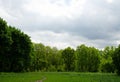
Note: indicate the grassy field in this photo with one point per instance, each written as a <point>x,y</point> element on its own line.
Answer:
<point>59,77</point>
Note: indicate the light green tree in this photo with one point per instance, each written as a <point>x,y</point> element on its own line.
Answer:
<point>106,59</point>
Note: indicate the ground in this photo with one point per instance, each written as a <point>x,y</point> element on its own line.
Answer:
<point>58,77</point>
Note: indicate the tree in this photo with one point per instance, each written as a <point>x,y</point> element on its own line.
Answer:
<point>46,58</point>
<point>39,59</point>
<point>106,59</point>
<point>68,55</point>
<point>94,59</point>
<point>48,53</point>
<point>55,60</point>
<point>87,59</point>
<point>116,59</point>
<point>82,58</point>
<point>15,49</point>
<point>5,43</point>
<point>20,51</point>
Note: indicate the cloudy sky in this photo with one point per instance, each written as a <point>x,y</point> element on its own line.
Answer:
<point>63,23</point>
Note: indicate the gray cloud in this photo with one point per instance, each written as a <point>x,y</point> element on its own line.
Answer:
<point>98,25</point>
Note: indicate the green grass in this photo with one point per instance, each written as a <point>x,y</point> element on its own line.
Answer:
<point>59,77</point>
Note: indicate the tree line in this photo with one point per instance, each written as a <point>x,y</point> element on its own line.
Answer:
<point>19,54</point>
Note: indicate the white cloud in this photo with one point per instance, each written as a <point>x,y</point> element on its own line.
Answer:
<point>4,14</point>
<point>109,1</point>
<point>118,42</point>
<point>56,8</point>
<point>59,40</point>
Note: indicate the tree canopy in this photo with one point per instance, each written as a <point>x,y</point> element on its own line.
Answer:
<point>15,49</point>
<point>88,59</point>
<point>68,55</point>
<point>116,59</point>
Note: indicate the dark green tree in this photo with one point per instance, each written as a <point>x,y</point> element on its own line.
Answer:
<point>68,55</point>
<point>15,49</point>
<point>116,59</point>
<point>5,43</point>
<point>20,51</point>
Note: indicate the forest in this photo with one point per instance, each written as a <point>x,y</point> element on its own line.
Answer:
<point>19,54</point>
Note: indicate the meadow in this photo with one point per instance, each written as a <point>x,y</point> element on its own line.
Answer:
<point>59,77</point>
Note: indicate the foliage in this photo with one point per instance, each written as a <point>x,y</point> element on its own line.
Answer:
<point>39,58</point>
<point>5,43</point>
<point>15,49</point>
<point>20,50</point>
<point>88,59</point>
<point>106,59</point>
<point>69,58</point>
<point>46,58</point>
<point>116,59</point>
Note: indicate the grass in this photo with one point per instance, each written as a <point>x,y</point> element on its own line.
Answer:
<point>59,77</point>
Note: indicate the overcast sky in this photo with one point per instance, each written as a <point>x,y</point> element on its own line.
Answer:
<point>63,23</point>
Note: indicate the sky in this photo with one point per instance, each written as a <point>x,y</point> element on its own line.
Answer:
<point>63,23</point>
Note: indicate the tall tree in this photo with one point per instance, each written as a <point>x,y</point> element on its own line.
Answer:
<point>55,60</point>
<point>21,50</point>
<point>116,59</point>
<point>39,62</point>
<point>87,59</point>
<point>5,43</point>
<point>94,59</point>
<point>15,49</point>
<point>82,58</point>
<point>106,59</point>
<point>68,55</point>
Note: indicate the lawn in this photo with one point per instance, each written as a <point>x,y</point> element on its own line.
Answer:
<point>59,77</point>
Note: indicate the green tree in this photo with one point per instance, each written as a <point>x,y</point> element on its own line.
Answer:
<point>81,52</point>
<point>20,50</point>
<point>39,59</point>
<point>55,60</point>
<point>5,43</point>
<point>48,52</point>
<point>106,59</point>
<point>87,59</point>
<point>15,49</point>
<point>68,55</point>
<point>116,59</point>
<point>94,59</point>
<point>46,58</point>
